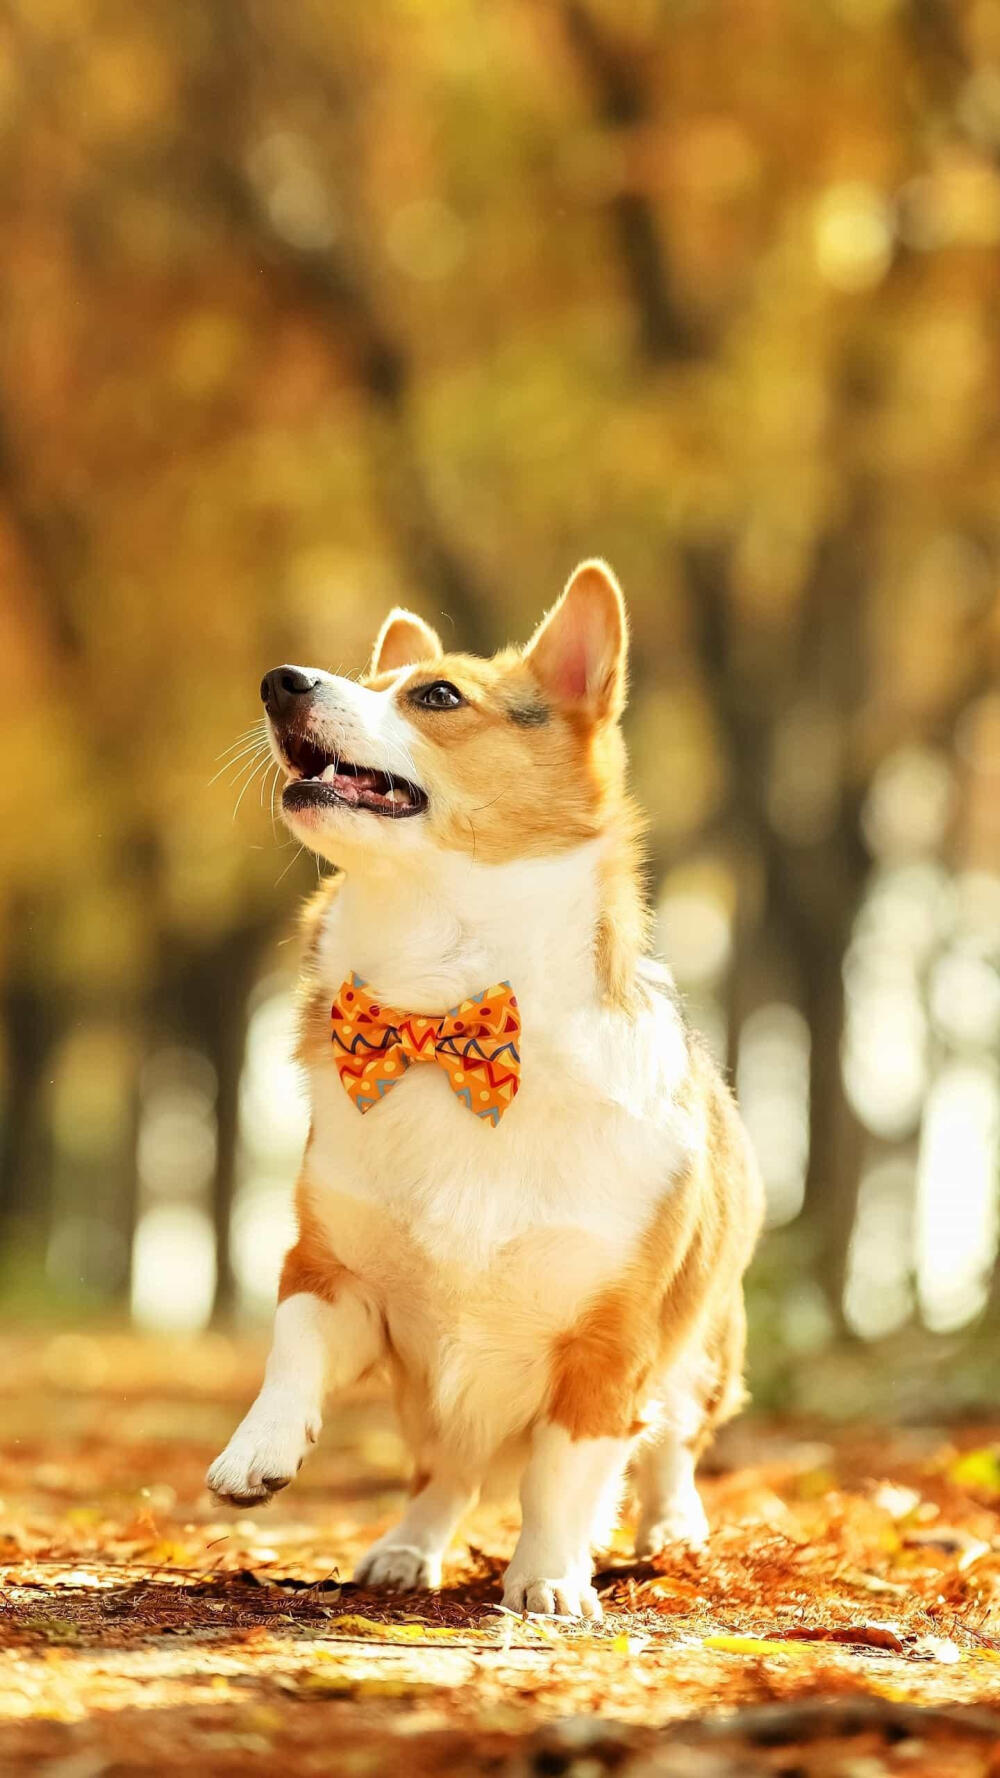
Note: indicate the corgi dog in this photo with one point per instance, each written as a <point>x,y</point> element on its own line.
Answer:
<point>526,1190</point>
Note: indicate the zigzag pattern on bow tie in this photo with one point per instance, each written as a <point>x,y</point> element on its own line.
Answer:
<point>476,1043</point>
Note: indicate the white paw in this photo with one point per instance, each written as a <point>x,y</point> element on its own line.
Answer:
<point>263,1456</point>
<point>564,1596</point>
<point>398,1568</point>
<point>678,1521</point>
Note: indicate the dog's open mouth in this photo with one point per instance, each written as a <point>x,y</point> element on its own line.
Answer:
<point>320,777</point>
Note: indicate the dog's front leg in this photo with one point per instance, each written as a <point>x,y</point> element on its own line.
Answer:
<point>320,1342</point>
<point>567,1490</point>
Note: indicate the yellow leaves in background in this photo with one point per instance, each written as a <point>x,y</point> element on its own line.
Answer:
<point>209,347</point>
<point>193,377</point>
<point>978,1470</point>
<point>127,83</point>
<point>680,773</point>
<point>853,236</point>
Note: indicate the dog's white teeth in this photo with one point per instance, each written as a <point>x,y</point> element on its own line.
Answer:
<point>328,773</point>
<point>395,795</point>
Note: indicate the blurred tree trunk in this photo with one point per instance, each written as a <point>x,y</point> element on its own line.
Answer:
<point>809,901</point>
<point>811,892</point>
<point>335,284</point>
<point>207,989</point>
<point>227,979</point>
<point>614,74</point>
<point>833,1174</point>
<point>122,1189</point>
<point>30,1014</point>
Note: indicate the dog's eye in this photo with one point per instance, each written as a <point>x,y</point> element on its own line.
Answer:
<point>442,695</point>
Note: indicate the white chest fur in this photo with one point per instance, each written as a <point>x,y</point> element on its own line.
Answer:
<point>515,1227</point>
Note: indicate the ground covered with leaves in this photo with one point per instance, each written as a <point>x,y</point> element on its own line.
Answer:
<point>845,1618</point>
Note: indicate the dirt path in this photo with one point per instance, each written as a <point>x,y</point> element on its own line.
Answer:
<point>848,1581</point>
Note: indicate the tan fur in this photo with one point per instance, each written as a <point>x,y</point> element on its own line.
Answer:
<point>725,1348</point>
<point>560,778</point>
<point>502,789</point>
<point>623,920</point>
<point>541,1302</point>
<point>579,649</point>
<point>685,1284</point>
<point>403,639</point>
<point>311,1265</point>
<point>526,771</point>
<point>311,922</point>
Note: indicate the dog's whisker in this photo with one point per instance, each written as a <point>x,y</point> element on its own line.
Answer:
<point>229,765</point>
<point>245,735</point>
<point>263,783</point>
<point>248,766</point>
<point>408,757</point>
<point>252,766</point>
<point>255,731</point>
<point>274,786</point>
<point>252,745</point>
<point>253,738</point>
<point>288,866</point>
<point>246,787</point>
<point>411,762</point>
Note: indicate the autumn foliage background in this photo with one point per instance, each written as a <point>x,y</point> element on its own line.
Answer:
<point>313,309</point>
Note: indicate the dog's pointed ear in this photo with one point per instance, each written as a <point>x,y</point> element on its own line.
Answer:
<point>403,639</point>
<point>579,651</point>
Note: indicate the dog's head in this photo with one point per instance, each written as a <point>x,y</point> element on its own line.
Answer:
<point>516,756</point>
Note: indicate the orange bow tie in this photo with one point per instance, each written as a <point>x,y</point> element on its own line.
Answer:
<point>475,1043</point>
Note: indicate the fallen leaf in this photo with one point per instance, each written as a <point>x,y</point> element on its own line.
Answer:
<point>341,1685</point>
<point>628,1645</point>
<point>978,1469</point>
<point>857,1635</point>
<point>374,1630</point>
<point>753,1645</point>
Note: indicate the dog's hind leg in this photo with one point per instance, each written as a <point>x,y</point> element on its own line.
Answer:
<point>670,1509</point>
<point>701,1391</point>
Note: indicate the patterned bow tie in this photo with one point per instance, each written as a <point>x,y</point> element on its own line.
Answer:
<point>475,1043</point>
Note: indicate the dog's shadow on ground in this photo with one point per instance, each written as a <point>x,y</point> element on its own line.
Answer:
<point>225,1602</point>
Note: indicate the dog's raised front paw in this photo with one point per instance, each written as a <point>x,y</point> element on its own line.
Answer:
<point>565,1596</point>
<point>262,1457</point>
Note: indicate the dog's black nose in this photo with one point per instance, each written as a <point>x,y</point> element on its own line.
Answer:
<point>281,688</point>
